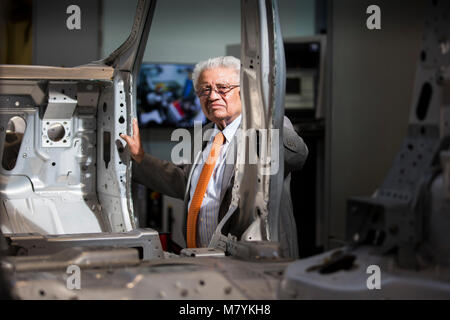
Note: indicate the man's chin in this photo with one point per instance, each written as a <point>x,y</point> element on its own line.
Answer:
<point>218,116</point>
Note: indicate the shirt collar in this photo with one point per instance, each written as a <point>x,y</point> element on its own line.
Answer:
<point>230,130</point>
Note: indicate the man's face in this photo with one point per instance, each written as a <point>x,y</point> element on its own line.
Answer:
<point>221,109</point>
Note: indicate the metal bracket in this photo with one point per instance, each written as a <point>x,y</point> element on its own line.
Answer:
<point>57,124</point>
<point>249,250</point>
<point>202,252</point>
<point>145,240</point>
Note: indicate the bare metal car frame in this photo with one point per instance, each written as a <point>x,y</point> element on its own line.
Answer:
<point>73,169</point>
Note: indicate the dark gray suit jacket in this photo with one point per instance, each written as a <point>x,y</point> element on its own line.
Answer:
<point>174,180</point>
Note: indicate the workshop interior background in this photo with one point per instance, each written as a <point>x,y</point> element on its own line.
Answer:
<point>367,80</point>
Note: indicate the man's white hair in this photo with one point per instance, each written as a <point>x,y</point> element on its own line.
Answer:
<point>217,62</point>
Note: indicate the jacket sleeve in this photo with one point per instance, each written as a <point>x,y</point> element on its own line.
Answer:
<point>295,149</point>
<point>161,176</point>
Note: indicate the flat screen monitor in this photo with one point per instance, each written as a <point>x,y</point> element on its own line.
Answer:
<point>166,96</point>
<point>305,60</point>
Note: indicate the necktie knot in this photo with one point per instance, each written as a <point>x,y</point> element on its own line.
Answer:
<point>219,138</point>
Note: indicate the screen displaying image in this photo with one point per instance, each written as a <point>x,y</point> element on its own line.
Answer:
<point>166,96</point>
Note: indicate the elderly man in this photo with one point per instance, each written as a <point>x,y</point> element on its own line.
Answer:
<point>206,185</point>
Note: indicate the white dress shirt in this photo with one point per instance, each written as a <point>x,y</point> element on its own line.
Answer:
<point>209,210</point>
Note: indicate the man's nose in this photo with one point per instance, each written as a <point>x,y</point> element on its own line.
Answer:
<point>214,95</point>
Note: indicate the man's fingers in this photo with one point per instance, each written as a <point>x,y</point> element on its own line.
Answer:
<point>134,141</point>
<point>135,129</point>
<point>127,139</point>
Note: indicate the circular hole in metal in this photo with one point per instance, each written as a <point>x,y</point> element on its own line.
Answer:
<point>56,132</point>
<point>15,130</point>
<point>16,125</point>
<point>121,119</point>
<point>424,101</point>
<point>53,163</point>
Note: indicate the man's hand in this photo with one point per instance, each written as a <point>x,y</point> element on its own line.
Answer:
<point>134,143</point>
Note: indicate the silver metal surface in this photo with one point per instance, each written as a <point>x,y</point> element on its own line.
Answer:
<point>70,201</point>
<point>59,183</point>
<point>86,257</point>
<point>202,252</point>
<point>262,89</point>
<point>145,240</point>
<point>403,228</point>
<point>302,280</point>
<point>180,278</point>
<point>81,195</point>
<point>398,215</point>
<point>23,88</point>
<point>72,174</point>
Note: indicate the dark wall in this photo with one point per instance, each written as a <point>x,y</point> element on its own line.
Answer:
<point>55,44</point>
<point>371,90</point>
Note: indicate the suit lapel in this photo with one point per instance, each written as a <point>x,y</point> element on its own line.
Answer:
<point>228,172</point>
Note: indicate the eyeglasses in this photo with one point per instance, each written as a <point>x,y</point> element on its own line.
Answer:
<point>221,89</point>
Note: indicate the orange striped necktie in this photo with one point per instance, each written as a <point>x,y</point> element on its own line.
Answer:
<point>200,189</point>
